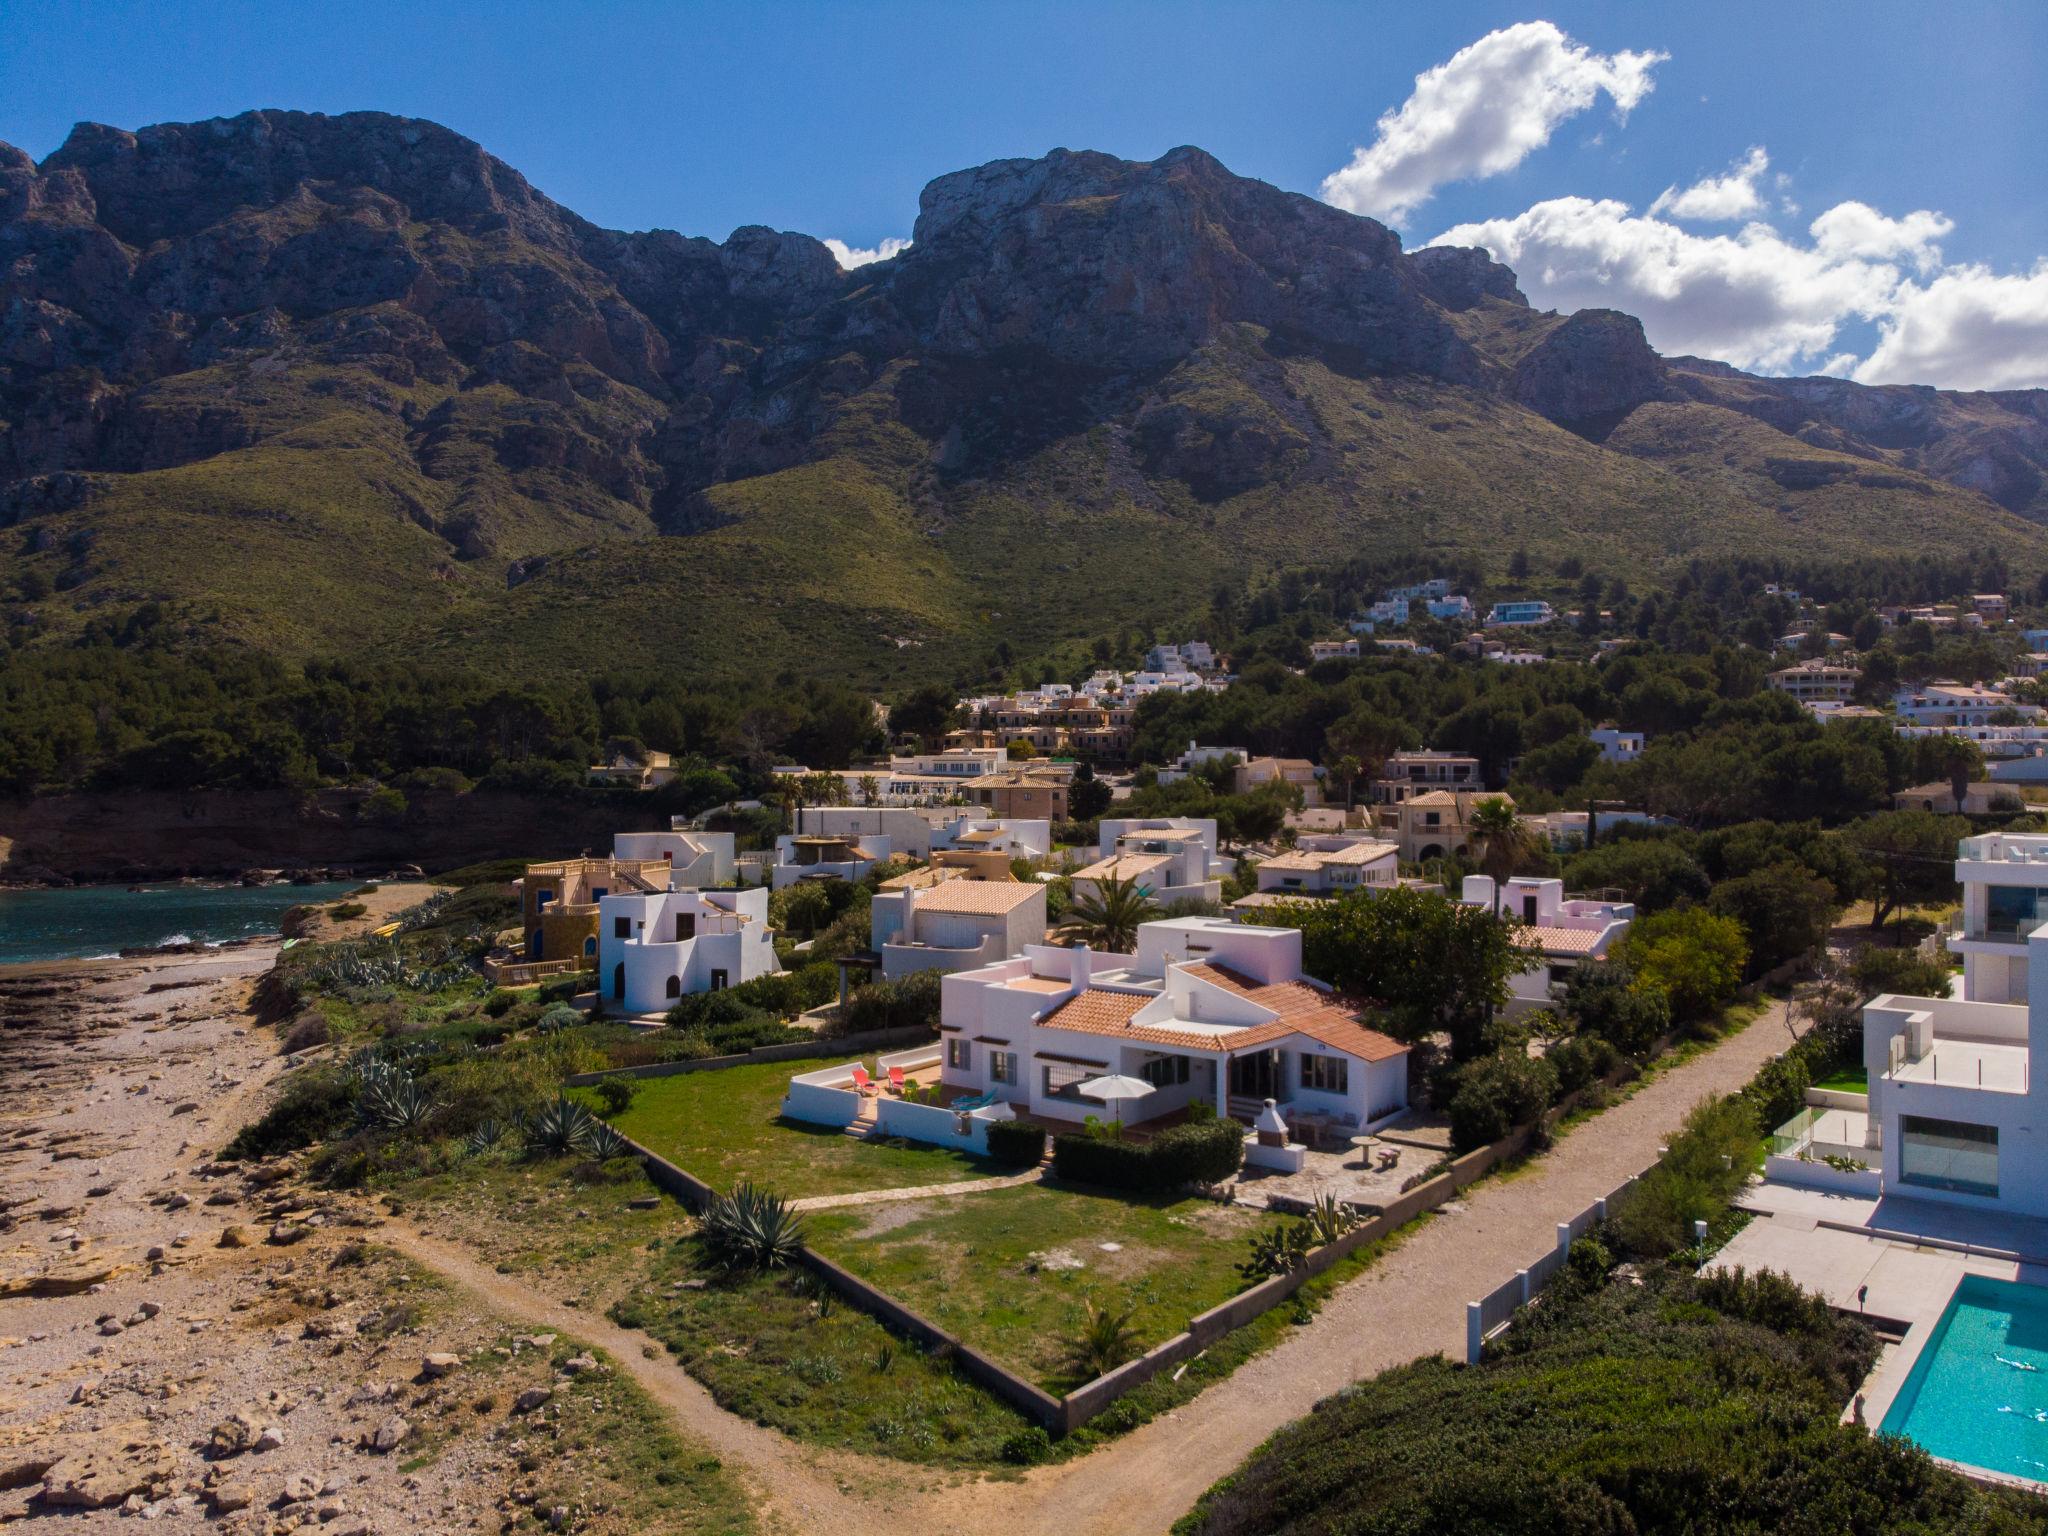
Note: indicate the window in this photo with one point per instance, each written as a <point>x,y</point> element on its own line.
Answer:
<point>1948,1154</point>
<point>686,927</point>
<point>1165,1071</point>
<point>2014,910</point>
<point>959,1055</point>
<point>1325,1074</point>
<point>622,927</point>
<point>1063,1077</point>
<point>1002,1066</point>
<point>675,986</point>
<point>590,946</point>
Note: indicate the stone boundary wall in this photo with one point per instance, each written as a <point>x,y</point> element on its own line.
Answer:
<point>794,1050</point>
<point>1062,1415</point>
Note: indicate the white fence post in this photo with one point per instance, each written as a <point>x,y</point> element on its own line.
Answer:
<point>1522,1275</point>
<point>1564,1239</point>
<point>1475,1332</point>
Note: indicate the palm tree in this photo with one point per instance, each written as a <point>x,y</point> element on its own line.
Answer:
<point>1499,839</point>
<point>1960,763</point>
<point>1108,916</point>
<point>1101,1342</point>
<point>1345,768</point>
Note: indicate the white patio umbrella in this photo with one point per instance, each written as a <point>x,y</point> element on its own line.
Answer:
<point>1114,1089</point>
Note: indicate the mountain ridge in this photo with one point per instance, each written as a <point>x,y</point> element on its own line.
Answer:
<point>280,367</point>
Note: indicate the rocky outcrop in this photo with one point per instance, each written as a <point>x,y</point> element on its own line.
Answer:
<point>1461,277</point>
<point>1590,372</point>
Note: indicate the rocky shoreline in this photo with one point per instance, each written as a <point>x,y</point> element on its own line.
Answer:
<point>185,1337</point>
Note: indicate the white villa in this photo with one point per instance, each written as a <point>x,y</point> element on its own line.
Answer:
<point>1617,746</point>
<point>1951,1106</point>
<point>844,842</point>
<point>1948,704</point>
<point>2004,876</point>
<point>654,946</point>
<point>1323,864</point>
<point>1173,858</point>
<point>956,925</point>
<point>694,858</point>
<point>1206,1009</point>
<point>1555,931</point>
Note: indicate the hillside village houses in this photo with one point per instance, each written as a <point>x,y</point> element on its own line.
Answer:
<point>1517,615</point>
<point>1817,681</point>
<point>1297,772</point>
<point>655,946</point>
<point>1617,746</point>
<point>1407,774</point>
<point>1323,865</point>
<point>1556,933</point>
<point>630,770</point>
<point>1946,704</point>
<point>1435,824</point>
<point>1396,606</point>
<point>1172,858</point>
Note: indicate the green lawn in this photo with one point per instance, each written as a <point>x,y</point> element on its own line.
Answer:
<point>726,1126</point>
<point>975,1264</point>
<point>1846,1080</point>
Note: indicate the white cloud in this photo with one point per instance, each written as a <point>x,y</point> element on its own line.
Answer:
<point>851,256</point>
<point>1733,196</point>
<point>1969,328</point>
<point>1857,229</point>
<point>1753,298</point>
<point>1482,113</point>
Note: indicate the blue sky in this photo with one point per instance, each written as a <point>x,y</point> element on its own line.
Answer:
<point>829,118</point>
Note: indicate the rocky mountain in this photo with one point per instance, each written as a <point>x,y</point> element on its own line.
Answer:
<point>349,384</point>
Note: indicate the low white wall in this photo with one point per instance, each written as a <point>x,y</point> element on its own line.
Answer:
<point>1867,1185</point>
<point>824,1097</point>
<point>935,1126</point>
<point>1837,1098</point>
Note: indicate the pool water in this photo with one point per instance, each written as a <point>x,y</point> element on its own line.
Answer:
<point>1978,1394</point>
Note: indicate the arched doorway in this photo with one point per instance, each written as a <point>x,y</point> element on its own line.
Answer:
<point>675,986</point>
<point>590,946</point>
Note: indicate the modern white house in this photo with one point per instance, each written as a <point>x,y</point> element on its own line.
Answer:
<point>1407,774</point>
<point>1519,615</point>
<point>1173,858</point>
<point>655,946</point>
<point>1951,1114</point>
<point>1617,746</point>
<point>2004,876</point>
<point>1331,864</point>
<point>956,925</point>
<point>1557,933</point>
<point>844,842</point>
<point>1206,1009</point>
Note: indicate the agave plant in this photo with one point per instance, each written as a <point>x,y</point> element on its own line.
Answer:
<point>1329,1219</point>
<point>603,1141</point>
<point>393,1101</point>
<point>752,1229</point>
<point>1103,1341</point>
<point>486,1137</point>
<point>559,1129</point>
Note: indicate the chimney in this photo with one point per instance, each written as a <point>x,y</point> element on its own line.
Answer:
<point>1080,959</point>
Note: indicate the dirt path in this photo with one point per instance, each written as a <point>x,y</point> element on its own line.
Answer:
<point>798,1489</point>
<point>1410,1305</point>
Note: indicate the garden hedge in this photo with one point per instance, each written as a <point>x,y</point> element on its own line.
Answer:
<point>1199,1152</point>
<point>1016,1143</point>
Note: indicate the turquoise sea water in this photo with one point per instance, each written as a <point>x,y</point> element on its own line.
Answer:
<point>1978,1393</point>
<point>102,920</point>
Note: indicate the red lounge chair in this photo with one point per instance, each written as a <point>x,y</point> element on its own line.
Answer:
<point>861,1081</point>
<point>896,1079</point>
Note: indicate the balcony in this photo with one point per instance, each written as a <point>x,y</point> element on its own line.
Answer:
<point>1954,1063</point>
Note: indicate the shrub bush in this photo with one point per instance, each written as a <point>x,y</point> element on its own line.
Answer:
<point>1496,1094</point>
<point>306,1031</point>
<point>616,1094</point>
<point>1208,1152</point>
<point>911,1002</point>
<point>564,989</point>
<point>1778,1091</point>
<point>500,1003</point>
<point>1016,1143</point>
<point>1581,1060</point>
<point>316,1103</point>
<point>1706,1162</point>
<point>1604,1000</point>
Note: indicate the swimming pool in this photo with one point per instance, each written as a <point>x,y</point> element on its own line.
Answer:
<point>1978,1393</point>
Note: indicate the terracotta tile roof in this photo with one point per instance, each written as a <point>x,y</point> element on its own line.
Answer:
<point>1302,1009</point>
<point>1126,866</point>
<point>1557,941</point>
<point>979,897</point>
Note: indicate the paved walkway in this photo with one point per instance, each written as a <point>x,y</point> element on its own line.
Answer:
<point>916,1192</point>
